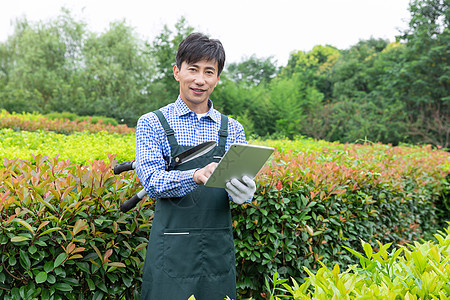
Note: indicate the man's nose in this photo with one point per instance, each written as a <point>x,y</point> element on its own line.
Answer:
<point>200,79</point>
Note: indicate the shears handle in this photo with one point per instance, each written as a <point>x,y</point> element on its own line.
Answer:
<point>170,163</point>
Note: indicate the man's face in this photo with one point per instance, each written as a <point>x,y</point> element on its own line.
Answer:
<point>197,81</point>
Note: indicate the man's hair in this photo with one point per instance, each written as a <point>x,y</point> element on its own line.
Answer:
<point>198,46</point>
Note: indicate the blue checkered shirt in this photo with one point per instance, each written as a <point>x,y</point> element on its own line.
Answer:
<point>152,145</point>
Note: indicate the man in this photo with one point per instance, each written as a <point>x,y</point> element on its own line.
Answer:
<point>191,248</point>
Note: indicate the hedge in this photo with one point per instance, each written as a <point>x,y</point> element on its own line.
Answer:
<point>79,147</point>
<point>61,234</point>
<point>65,123</point>
<point>62,218</point>
<point>309,207</point>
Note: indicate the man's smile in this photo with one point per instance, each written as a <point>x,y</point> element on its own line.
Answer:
<point>198,91</point>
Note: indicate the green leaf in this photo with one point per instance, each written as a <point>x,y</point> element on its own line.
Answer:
<point>48,266</point>
<point>112,277</point>
<point>25,260</point>
<point>41,277</point>
<point>51,279</point>
<point>356,253</point>
<point>12,260</point>
<point>15,293</point>
<point>272,230</point>
<point>98,295</point>
<point>116,264</point>
<point>368,250</point>
<point>59,260</point>
<point>18,239</point>
<point>3,239</point>
<point>60,272</point>
<point>32,249</point>
<point>102,286</point>
<point>40,243</point>
<point>45,294</point>
<point>127,280</point>
<point>24,224</point>
<point>90,284</point>
<point>49,231</point>
<point>71,281</point>
<point>313,203</point>
<point>63,287</point>
<point>46,203</point>
<point>83,267</point>
<point>22,292</point>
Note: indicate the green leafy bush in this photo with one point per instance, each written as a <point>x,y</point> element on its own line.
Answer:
<point>415,271</point>
<point>311,202</point>
<point>309,206</point>
<point>62,235</point>
<point>79,147</point>
<point>74,117</point>
<point>65,123</point>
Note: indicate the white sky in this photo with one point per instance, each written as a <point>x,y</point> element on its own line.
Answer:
<point>245,27</point>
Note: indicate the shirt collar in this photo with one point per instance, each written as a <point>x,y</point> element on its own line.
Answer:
<point>182,109</point>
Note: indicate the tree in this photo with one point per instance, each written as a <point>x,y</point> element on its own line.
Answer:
<point>252,71</point>
<point>314,67</point>
<point>38,61</point>
<point>59,66</point>
<point>352,74</point>
<point>425,77</point>
<point>164,88</point>
<point>115,79</point>
<point>242,93</point>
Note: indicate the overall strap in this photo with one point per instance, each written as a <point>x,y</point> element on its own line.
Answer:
<point>170,134</point>
<point>223,132</point>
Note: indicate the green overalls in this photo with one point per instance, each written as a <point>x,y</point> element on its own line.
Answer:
<point>191,248</point>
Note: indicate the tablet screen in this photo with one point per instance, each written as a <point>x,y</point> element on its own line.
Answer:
<point>240,160</point>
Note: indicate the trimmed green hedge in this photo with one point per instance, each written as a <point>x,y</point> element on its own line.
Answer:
<point>65,123</point>
<point>62,236</point>
<point>308,207</point>
<point>62,218</point>
<point>74,117</point>
<point>79,147</point>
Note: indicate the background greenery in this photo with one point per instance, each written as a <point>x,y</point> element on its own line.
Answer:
<point>375,90</point>
<point>314,200</point>
<point>421,273</point>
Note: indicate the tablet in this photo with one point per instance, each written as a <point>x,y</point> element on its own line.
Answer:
<point>239,160</point>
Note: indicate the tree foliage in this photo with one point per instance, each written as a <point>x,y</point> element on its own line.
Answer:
<point>425,79</point>
<point>375,90</point>
<point>253,71</point>
<point>164,88</point>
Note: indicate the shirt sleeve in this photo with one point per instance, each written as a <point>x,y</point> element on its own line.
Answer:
<point>150,165</point>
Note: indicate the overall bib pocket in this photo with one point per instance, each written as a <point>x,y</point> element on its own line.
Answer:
<point>182,255</point>
<point>219,245</point>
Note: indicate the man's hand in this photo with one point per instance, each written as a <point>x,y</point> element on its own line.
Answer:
<point>241,191</point>
<point>202,175</point>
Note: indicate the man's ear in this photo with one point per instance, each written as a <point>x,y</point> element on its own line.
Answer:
<point>176,71</point>
<point>218,78</point>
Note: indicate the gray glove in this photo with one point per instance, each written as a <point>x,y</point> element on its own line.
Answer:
<point>241,191</point>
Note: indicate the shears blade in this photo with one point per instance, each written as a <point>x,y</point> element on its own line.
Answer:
<point>194,152</point>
